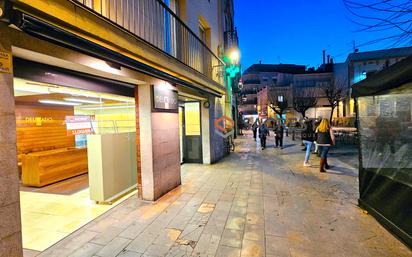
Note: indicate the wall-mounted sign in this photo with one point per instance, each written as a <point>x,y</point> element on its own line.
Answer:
<point>5,62</point>
<point>38,121</point>
<point>79,125</point>
<point>165,99</point>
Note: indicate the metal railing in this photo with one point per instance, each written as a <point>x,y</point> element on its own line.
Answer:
<point>231,39</point>
<point>154,22</point>
<point>254,101</point>
<point>251,81</point>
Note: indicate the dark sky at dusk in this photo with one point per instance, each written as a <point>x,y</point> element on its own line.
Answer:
<point>296,31</point>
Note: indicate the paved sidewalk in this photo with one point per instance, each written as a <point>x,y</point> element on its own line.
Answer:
<point>253,203</point>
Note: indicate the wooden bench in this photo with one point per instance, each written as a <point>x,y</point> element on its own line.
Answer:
<point>47,167</point>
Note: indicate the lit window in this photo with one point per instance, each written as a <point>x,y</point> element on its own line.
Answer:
<point>280,98</point>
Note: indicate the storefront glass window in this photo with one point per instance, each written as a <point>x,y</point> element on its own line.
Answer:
<point>67,139</point>
<point>385,127</point>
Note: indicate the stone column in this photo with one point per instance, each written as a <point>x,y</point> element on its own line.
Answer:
<point>10,219</point>
<point>159,154</point>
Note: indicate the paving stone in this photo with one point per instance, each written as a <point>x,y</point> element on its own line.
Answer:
<point>232,238</point>
<point>157,250</point>
<point>277,246</point>
<point>133,230</point>
<point>226,251</point>
<point>106,236</point>
<point>86,250</point>
<point>252,203</point>
<point>142,242</point>
<point>235,222</point>
<point>126,253</point>
<point>253,248</point>
<point>114,247</point>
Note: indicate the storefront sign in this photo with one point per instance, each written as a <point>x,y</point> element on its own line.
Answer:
<point>165,99</point>
<point>38,120</point>
<point>5,62</point>
<point>79,125</point>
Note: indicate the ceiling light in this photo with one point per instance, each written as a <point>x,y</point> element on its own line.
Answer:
<point>77,92</point>
<point>118,98</point>
<point>86,101</point>
<point>48,101</point>
<point>31,88</point>
<point>109,107</point>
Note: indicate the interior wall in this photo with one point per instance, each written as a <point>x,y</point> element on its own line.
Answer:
<point>42,128</point>
<point>124,119</point>
<point>192,119</point>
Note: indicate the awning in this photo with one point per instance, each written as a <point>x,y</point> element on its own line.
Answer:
<point>392,77</point>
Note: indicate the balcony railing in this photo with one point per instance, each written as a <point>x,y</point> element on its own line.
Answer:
<point>251,81</point>
<point>249,91</point>
<point>154,22</point>
<point>247,102</point>
<point>231,39</point>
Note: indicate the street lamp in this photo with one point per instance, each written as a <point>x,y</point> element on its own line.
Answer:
<point>234,56</point>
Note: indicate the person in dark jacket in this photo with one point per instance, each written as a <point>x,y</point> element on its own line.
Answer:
<point>325,140</point>
<point>308,137</point>
<point>278,134</point>
<point>263,133</point>
<point>255,127</point>
<point>240,123</point>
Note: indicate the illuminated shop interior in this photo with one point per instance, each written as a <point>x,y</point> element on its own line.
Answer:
<point>63,137</point>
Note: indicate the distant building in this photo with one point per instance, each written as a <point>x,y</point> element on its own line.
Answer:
<point>260,81</point>
<point>259,76</point>
<point>362,65</point>
<point>313,82</point>
<point>280,82</point>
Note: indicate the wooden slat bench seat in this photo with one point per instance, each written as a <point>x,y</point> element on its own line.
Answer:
<point>47,167</point>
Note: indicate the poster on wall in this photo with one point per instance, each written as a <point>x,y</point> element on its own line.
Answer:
<point>165,99</point>
<point>5,62</point>
<point>79,125</point>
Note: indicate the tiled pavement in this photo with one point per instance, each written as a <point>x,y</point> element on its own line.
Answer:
<point>253,203</point>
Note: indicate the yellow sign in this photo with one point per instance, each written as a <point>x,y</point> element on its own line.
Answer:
<point>38,120</point>
<point>5,62</point>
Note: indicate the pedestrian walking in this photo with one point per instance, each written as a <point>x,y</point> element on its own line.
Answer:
<point>308,137</point>
<point>240,123</point>
<point>278,134</point>
<point>317,122</point>
<point>255,127</point>
<point>325,140</point>
<point>263,133</point>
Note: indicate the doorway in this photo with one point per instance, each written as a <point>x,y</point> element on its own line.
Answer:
<point>190,132</point>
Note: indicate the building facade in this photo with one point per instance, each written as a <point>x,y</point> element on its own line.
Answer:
<point>142,77</point>
<point>311,84</point>
<point>259,76</point>
<point>361,65</point>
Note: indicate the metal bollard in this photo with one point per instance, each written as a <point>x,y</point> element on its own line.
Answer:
<point>293,135</point>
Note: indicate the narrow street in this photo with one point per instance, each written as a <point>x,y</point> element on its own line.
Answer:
<point>252,203</point>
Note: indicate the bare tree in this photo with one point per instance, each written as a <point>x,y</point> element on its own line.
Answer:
<point>383,16</point>
<point>278,102</point>
<point>304,99</point>
<point>335,92</point>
